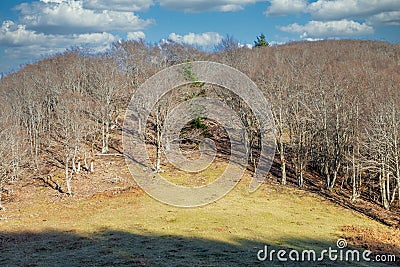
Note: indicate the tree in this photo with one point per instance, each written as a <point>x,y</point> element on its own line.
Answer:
<point>104,89</point>
<point>301,124</point>
<point>277,88</point>
<point>164,105</point>
<point>230,52</point>
<point>261,41</point>
<point>382,150</point>
<point>227,44</point>
<point>5,155</point>
<point>11,147</point>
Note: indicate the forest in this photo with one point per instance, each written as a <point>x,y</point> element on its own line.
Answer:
<point>335,104</point>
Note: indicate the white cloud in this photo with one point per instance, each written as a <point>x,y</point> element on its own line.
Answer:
<point>27,44</point>
<point>136,36</point>
<point>202,39</point>
<point>206,5</point>
<point>52,1</point>
<point>275,43</point>
<point>341,9</point>
<point>12,34</point>
<point>69,16</point>
<point>313,39</point>
<point>285,7</point>
<point>320,29</point>
<point>229,8</point>
<point>248,46</point>
<point>118,5</point>
<point>386,18</point>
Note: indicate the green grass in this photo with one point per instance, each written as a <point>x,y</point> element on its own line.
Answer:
<point>136,230</point>
<point>205,177</point>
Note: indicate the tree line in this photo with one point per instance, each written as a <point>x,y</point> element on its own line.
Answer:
<point>336,107</point>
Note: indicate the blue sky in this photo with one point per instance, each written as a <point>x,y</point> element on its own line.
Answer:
<point>33,29</point>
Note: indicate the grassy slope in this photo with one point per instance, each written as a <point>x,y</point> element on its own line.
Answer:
<point>134,229</point>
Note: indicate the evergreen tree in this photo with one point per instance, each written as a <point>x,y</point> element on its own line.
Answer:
<point>261,41</point>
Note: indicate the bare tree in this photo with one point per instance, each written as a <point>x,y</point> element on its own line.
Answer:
<point>11,148</point>
<point>301,125</point>
<point>277,88</point>
<point>103,87</point>
<point>69,132</point>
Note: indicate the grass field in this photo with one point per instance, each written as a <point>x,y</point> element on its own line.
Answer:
<point>132,229</point>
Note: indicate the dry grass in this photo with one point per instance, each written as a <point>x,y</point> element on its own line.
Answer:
<point>124,226</point>
<point>380,241</point>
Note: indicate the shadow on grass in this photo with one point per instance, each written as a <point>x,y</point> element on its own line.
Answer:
<point>115,248</point>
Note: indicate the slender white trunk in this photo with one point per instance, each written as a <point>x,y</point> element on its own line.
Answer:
<point>283,162</point>
<point>383,189</point>
<point>67,176</point>
<point>73,164</point>
<point>1,191</point>
<point>69,192</point>
<point>105,137</point>
<point>85,164</point>
<point>91,169</point>
<point>158,153</point>
<point>354,194</point>
<point>301,177</point>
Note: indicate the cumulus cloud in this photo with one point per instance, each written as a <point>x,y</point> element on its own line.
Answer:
<point>69,16</point>
<point>285,7</point>
<point>275,43</point>
<point>347,9</point>
<point>52,1</point>
<point>386,18</point>
<point>329,29</point>
<point>248,46</point>
<point>206,5</point>
<point>24,43</point>
<point>202,39</point>
<point>12,34</point>
<point>118,5</point>
<point>136,36</point>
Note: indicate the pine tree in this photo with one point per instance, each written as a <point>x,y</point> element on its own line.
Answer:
<point>261,41</point>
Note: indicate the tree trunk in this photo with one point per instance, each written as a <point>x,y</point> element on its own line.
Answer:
<point>333,181</point>
<point>67,177</point>
<point>158,153</point>
<point>73,164</point>
<point>383,189</point>
<point>398,179</point>
<point>105,137</point>
<point>91,168</point>
<point>354,193</point>
<point>397,163</point>
<point>301,179</point>
<point>283,163</point>
<point>68,182</point>
<point>327,176</point>
<point>1,192</point>
<point>85,164</point>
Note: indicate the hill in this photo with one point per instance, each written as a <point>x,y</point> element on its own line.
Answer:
<point>67,196</point>
<point>123,226</point>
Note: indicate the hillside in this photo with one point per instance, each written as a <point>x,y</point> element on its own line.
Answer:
<point>68,197</point>
<point>123,226</point>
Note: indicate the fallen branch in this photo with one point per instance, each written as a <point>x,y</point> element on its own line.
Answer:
<point>110,155</point>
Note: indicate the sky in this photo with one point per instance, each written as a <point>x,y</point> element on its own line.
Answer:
<point>31,30</point>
